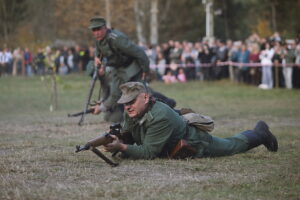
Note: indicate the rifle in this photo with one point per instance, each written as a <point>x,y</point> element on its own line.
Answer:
<point>81,113</point>
<point>92,85</point>
<point>103,139</point>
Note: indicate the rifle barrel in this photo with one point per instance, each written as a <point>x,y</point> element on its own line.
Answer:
<point>81,113</point>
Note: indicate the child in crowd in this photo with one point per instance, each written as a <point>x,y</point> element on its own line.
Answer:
<point>169,78</point>
<point>181,75</point>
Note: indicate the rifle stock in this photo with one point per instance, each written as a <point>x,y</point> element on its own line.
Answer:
<point>103,139</point>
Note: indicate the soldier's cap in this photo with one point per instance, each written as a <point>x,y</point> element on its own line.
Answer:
<point>130,91</point>
<point>96,22</point>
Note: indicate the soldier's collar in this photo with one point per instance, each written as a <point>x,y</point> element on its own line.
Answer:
<point>147,117</point>
<point>106,37</point>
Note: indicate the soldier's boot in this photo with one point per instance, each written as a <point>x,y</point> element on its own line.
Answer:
<point>261,135</point>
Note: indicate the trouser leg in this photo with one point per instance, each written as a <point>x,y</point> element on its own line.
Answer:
<point>243,141</point>
<point>227,146</point>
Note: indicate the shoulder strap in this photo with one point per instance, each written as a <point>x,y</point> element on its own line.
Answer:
<point>112,36</point>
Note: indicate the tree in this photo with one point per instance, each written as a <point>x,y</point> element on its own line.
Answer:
<point>12,14</point>
<point>138,21</point>
<point>154,24</point>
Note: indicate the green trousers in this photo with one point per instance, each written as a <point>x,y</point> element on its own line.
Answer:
<point>227,146</point>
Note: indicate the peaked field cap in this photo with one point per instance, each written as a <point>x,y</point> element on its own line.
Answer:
<point>130,91</point>
<point>96,22</point>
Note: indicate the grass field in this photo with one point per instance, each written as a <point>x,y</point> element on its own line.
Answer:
<point>37,159</point>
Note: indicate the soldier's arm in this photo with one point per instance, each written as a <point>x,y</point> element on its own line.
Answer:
<point>155,139</point>
<point>127,47</point>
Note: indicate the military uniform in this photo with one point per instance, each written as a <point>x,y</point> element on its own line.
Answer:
<point>160,128</point>
<point>127,60</point>
<point>115,112</point>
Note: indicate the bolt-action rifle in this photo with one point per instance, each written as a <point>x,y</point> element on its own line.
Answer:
<point>103,139</point>
<point>86,109</point>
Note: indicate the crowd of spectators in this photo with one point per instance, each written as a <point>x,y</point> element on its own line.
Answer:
<point>59,60</point>
<point>265,62</point>
<point>256,60</point>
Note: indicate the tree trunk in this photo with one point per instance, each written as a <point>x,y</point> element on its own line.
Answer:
<point>154,24</point>
<point>107,9</point>
<point>4,21</point>
<point>138,21</point>
<point>274,24</point>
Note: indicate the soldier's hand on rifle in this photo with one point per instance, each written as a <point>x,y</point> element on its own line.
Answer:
<point>144,75</point>
<point>115,145</point>
<point>97,109</point>
<point>97,61</point>
<point>101,71</point>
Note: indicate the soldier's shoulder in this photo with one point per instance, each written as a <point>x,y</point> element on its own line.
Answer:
<point>160,110</point>
<point>116,35</point>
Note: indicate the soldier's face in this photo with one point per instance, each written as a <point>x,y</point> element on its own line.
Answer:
<point>99,32</point>
<point>136,107</point>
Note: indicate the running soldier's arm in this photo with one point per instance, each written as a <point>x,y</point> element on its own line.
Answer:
<point>127,47</point>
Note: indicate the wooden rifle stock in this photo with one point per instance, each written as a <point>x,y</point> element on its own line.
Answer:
<point>103,139</point>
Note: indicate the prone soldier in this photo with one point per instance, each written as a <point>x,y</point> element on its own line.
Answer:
<point>157,130</point>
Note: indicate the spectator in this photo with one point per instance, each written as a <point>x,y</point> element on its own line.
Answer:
<point>289,58</point>
<point>276,37</point>
<point>1,62</point>
<point>242,56</point>
<point>175,53</point>
<point>181,75</point>
<point>151,54</point>
<point>277,61</point>
<point>8,60</point>
<point>161,66</point>
<point>266,60</point>
<point>70,60</point>
<point>28,62</point>
<point>50,60</point>
<point>221,56</point>
<point>166,52</point>
<point>169,77</point>
<point>188,57</point>
<point>205,57</point>
<point>297,53</point>
<point>253,39</point>
<point>40,62</point>
<point>254,58</point>
<point>18,64</point>
<point>63,68</point>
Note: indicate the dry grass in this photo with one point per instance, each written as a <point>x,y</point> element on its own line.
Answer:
<point>37,159</point>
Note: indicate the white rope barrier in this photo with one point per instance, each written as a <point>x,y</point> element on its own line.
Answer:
<point>228,63</point>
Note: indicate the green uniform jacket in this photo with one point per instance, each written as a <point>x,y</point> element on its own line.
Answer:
<point>126,58</point>
<point>159,130</point>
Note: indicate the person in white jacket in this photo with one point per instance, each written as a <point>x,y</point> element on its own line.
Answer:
<point>266,56</point>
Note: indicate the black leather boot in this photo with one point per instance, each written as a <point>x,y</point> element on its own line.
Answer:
<point>261,135</point>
